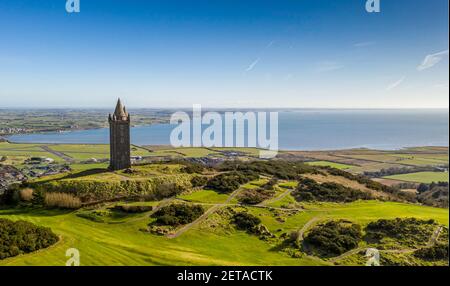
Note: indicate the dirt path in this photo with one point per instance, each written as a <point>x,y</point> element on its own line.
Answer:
<point>276,199</point>
<point>242,205</point>
<point>203,216</point>
<point>305,228</point>
<point>434,237</point>
<point>59,154</point>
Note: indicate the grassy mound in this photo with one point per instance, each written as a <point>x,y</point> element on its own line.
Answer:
<point>333,238</point>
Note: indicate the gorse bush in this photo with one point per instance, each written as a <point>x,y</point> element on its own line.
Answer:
<point>333,238</point>
<point>310,190</point>
<point>280,169</point>
<point>62,200</point>
<point>231,181</point>
<point>245,221</point>
<point>199,181</point>
<point>406,231</point>
<point>255,196</point>
<point>22,237</point>
<point>177,214</point>
<point>132,208</point>
<point>436,252</point>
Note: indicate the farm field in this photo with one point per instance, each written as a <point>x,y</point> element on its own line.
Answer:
<point>366,160</point>
<point>330,164</point>
<point>421,177</point>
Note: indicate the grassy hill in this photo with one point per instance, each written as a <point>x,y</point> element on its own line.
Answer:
<point>106,236</point>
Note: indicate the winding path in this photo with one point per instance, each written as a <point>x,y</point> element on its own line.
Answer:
<point>203,216</point>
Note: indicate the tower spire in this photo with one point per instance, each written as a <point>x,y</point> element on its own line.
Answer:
<point>120,111</point>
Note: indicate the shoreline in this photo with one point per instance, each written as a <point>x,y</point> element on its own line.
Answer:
<point>405,148</point>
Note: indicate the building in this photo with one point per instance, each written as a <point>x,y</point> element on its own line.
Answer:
<point>119,138</point>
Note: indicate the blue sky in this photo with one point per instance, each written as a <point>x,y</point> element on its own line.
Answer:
<point>254,53</point>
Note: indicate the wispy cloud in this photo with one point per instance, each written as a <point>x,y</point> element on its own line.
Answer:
<point>364,44</point>
<point>255,62</point>
<point>431,60</point>
<point>252,65</point>
<point>395,84</point>
<point>328,66</point>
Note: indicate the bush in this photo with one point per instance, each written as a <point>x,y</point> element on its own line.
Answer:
<point>193,168</point>
<point>270,184</point>
<point>23,237</point>
<point>62,200</point>
<point>246,221</point>
<point>407,231</point>
<point>166,190</point>
<point>26,194</point>
<point>199,181</point>
<point>177,214</point>
<point>132,208</point>
<point>310,190</point>
<point>255,196</point>
<point>280,169</point>
<point>436,252</point>
<point>229,182</point>
<point>334,238</point>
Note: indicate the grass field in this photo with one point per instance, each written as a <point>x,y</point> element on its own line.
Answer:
<point>421,177</point>
<point>123,243</point>
<point>330,164</point>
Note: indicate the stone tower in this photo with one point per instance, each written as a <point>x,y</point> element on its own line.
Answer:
<point>119,138</point>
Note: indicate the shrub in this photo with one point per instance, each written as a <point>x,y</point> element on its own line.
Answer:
<point>192,168</point>
<point>255,196</point>
<point>407,231</point>
<point>132,208</point>
<point>270,184</point>
<point>310,190</point>
<point>334,238</point>
<point>177,214</point>
<point>23,237</point>
<point>199,181</point>
<point>246,221</point>
<point>62,200</point>
<point>280,169</point>
<point>166,190</point>
<point>229,182</point>
<point>436,252</point>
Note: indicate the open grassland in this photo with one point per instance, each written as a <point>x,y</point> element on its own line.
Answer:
<point>122,243</point>
<point>421,177</point>
<point>330,164</point>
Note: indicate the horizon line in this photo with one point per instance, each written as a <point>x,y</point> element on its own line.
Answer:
<point>227,107</point>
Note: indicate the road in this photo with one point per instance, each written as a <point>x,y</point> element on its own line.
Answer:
<point>59,154</point>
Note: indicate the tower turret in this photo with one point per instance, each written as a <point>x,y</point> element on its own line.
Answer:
<point>119,137</point>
